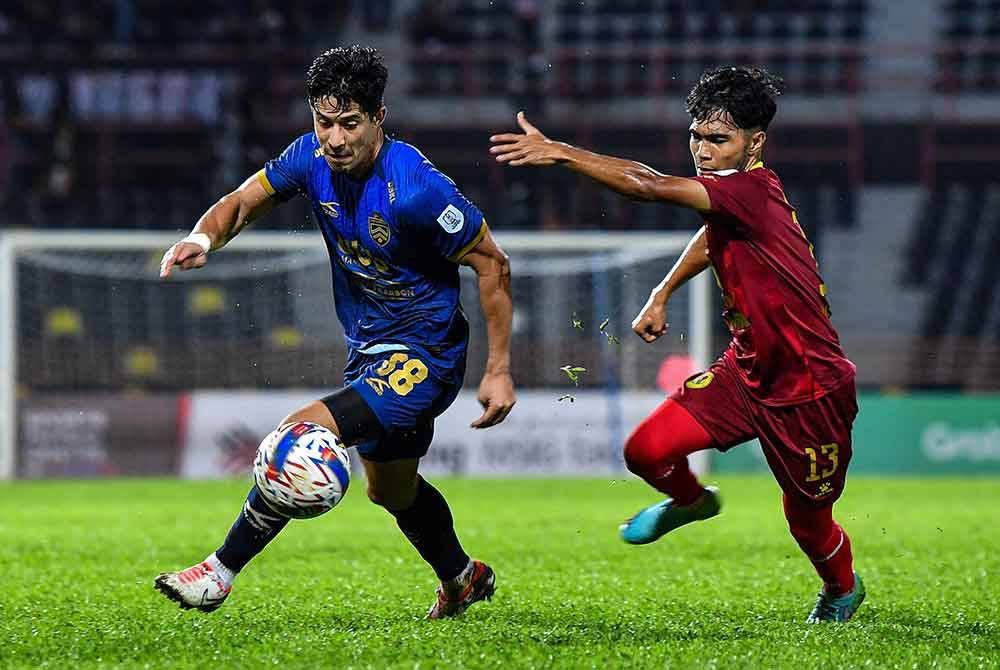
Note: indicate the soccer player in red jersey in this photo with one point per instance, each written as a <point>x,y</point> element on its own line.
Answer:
<point>784,378</point>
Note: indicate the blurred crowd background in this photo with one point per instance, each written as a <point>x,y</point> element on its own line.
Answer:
<point>133,114</point>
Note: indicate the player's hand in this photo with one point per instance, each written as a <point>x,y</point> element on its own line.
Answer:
<point>496,395</point>
<point>651,323</point>
<point>531,148</point>
<point>185,255</point>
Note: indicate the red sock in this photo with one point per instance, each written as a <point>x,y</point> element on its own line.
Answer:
<point>824,542</point>
<point>658,448</point>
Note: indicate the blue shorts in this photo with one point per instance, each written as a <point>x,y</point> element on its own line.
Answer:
<point>406,391</point>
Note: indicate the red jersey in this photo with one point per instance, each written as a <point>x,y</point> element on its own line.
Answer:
<point>774,299</point>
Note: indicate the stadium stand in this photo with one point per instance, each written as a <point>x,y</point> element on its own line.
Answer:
<point>129,116</point>
<point>651,47</point>
<point>971,60</point>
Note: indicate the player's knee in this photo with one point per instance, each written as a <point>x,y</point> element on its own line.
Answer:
<point>315,412</point>
<point>640,452</point>
<point>380,497</point>
<point>392,499</point>
<point>803,536</point>
<point>375,495</point>
<point>809,534</point>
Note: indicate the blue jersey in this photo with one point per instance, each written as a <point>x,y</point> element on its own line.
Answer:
<point>395,239</point>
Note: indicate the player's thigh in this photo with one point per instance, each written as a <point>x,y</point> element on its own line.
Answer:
<point>392,484</point>
<point>808,447</point>
<point>314,412</point>
<point>406,397</point>
<point>717,401</point>
<point>669,434</point>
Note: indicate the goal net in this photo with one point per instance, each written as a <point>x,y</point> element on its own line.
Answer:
<point>106,369</point>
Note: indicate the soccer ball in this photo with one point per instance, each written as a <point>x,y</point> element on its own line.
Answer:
<point>302,470</point>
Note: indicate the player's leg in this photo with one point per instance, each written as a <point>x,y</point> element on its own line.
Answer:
<point>421,513</point>
<point>425,519</point>
<point>207,584</point>
<point>404,409</point>
<point>808,448</point>
<point>828,547</point>
<point>658,450</point>
<point>258,524</point>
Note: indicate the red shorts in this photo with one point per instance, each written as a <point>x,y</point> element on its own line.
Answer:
<point>807,446</point>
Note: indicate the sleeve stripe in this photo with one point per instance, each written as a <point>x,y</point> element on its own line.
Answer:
<point>265,182</point>
<point>471,245</point>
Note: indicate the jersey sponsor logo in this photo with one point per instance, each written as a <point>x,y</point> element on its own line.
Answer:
<point>353,255</point>
<point>700,381</point>
<point>318,152</point>
<point>392,192</point>
<point>452,219</point>
<point>330,208</point>
<point>378,228</point>
<point>384,289</point>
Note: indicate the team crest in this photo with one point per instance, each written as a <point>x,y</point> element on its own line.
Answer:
<point>378,228</point>
<point>700,381</point>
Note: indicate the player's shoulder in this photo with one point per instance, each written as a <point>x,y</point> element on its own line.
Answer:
<point>417,182</point>
<point>302,151</point>
<point>769,181</point>
<point>414,169</point>
<point>757,180</point>
<point>760,174</point>
<point>306,143</point>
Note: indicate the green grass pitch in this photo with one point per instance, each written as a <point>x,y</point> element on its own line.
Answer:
<point>346,591</point>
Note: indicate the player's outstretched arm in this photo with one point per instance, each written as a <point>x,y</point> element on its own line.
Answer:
<point>496,390</point>
<point>630,178</point>
<point>651,323</point>
<point>221,223</point>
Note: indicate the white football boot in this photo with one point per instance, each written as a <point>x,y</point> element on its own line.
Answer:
<point>199,587</point>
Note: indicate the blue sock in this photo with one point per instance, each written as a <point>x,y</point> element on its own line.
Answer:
<point>429,527</point>
<point>257,525</point>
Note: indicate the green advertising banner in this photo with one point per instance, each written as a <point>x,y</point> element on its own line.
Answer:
<point>919,433</point>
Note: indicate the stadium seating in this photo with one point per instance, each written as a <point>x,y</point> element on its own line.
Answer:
<point>970,60</point>
<point>643,47</point>
<point>597,55</point>
<point>955,244</point>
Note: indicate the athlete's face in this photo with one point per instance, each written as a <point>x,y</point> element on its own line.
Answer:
<point>717,144</point>
<point>349,138</point>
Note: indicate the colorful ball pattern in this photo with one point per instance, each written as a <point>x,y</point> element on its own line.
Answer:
<point>302,470</point>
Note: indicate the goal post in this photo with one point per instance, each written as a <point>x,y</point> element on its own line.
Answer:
<point>51,282</point>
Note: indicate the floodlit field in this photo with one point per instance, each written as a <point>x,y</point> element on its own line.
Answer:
<point>346,591</point>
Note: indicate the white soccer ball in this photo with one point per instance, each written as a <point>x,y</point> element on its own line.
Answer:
<point>302,470</point>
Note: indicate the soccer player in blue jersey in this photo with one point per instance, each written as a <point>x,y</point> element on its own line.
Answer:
<point>396,229</point>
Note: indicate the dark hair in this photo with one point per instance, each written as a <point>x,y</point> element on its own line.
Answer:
<point>347,74</point>
<point>746,93</point>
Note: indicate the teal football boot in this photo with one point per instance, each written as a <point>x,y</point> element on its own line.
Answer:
<point>660,518</point>
<point>840,608</point>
